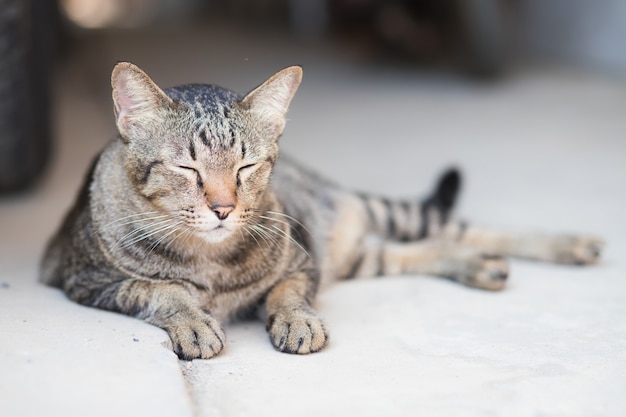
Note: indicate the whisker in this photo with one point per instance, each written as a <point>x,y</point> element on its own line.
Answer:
<point>263,230</point>
<point>190,234</point>
<point>289,237</point>
<point>252,236</point>
<point>138,230</point>
<point>151,233</point>
<point>136,221</point>
<point>293,219</point>
<point>260,231</point>
<point>169,243</point>
<point>161,239</point>
<point>283,222</point>
<point>274,220</point>
<point>145,213</point>
<point>281,233</point>
<point>187,232</point>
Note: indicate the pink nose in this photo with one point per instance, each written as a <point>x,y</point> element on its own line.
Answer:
<point>222,212</point>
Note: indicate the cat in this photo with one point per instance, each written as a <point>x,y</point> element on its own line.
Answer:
<point>188,219</point>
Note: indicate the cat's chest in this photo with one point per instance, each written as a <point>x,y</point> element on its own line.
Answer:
<point>234,274</point>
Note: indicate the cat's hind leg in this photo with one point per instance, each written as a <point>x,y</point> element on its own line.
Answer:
<point>466,265</point>
<point>558,248</point>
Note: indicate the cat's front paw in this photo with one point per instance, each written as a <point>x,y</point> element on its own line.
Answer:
<point>577,250</point>
<point>196,337</point>
<point>297,331</point>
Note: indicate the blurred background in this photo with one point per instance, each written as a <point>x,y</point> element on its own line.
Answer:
<point>393,89</point>
<point>241,41</point>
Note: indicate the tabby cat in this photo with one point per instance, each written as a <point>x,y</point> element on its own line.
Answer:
<point>189,218</point>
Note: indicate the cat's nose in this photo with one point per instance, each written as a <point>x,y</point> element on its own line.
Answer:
<point>222,212</point>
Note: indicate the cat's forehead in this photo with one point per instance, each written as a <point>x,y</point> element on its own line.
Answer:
<point>211,131</point>
<point>205,100</point>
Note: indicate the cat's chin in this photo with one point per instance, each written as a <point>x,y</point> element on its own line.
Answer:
<point>217,235</point>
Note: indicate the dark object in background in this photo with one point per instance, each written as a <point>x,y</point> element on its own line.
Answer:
<point>482,35</point>
<point>470,34</point>
<point>27,32</point>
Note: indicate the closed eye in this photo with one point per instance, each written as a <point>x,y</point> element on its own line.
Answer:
<point>246,167</point>
<point>243,169</point>
<point>198,177</point>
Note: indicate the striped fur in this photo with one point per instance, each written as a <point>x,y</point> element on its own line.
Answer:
<point>189,219</point>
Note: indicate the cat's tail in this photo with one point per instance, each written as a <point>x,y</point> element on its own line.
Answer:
<point>445,193</point>
<point>406,220</point>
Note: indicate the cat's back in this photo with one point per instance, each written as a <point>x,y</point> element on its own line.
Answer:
<point>308,198</point>
<point>292,179</point>
<point>55,261</point>
<point>73,245</point>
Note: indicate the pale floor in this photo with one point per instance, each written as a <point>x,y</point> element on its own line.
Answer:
<point>544,149</point>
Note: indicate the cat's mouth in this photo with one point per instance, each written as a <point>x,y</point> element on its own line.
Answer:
<point>211,229</point>
<point>217,234</point>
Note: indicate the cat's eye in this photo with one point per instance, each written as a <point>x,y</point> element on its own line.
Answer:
<point>241,170</point>
<point>198,177</point>
<point>187,168</point>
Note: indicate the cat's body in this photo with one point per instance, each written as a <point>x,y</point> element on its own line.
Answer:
<point>189,218</point>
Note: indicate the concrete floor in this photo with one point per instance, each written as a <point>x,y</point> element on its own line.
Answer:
<point>544,149</point>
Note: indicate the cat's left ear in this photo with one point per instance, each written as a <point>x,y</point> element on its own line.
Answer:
<point>137,100</point>
<point>270,101</point>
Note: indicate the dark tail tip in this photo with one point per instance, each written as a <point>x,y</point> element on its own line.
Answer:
<point>448,188</point>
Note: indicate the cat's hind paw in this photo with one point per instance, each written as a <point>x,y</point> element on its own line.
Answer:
<point>297,331</point>
<point>578,250</point>
<point>485,271</point>
<point>493,273</point>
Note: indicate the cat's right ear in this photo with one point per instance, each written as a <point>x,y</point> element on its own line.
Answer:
<point>137,100</point>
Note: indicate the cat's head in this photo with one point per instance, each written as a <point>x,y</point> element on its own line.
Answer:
<point>201,153</point>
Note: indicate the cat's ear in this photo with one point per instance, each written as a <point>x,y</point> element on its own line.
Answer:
<point>270,101</point>
<point>137,99</point>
